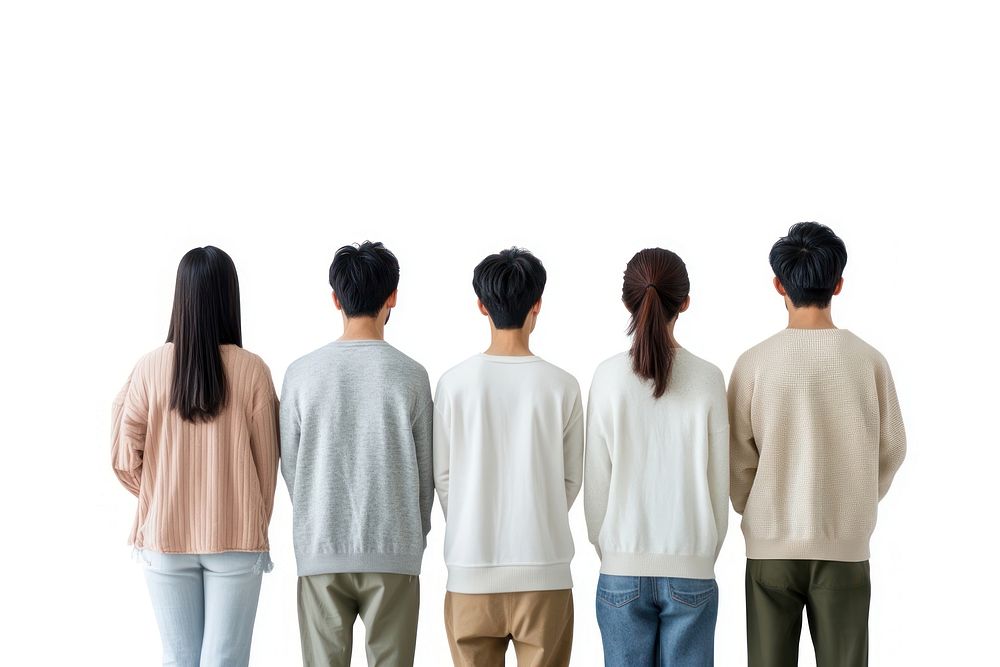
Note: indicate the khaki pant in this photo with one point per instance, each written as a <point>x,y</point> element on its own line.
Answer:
<point>387,603</point>
<point>540,623</point>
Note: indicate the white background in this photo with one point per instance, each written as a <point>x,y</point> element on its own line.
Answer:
<point>132,131</point>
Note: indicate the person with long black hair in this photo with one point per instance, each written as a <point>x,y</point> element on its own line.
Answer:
<point>656,496</point>
<point>195,439</point>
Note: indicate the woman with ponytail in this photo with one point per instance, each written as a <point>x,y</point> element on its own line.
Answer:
<point>656,491</point>
<point>195,439</point>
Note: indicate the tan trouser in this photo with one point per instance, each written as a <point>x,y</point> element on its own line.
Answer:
<point>540,623</point>
<point>387,603</point>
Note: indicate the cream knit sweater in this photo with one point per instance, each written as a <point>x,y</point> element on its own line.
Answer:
<point>816,437</point>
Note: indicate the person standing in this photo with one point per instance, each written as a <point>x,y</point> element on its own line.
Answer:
<point>656,493</point>
<point>356,419</point>
<point>816,438</point>
<point>508,464</point>
<point>195,439</point>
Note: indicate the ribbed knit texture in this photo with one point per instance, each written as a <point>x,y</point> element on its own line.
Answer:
<point>202,487</point>
<point>656,485</point>
<point>816,437</point>
<point>508,464</point>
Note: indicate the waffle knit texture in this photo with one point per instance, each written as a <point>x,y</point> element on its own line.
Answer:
<point>816,438</point>
<point>203,487</point>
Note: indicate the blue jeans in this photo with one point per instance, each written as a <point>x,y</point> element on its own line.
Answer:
<point>665,621</point>
<point>205,605</point>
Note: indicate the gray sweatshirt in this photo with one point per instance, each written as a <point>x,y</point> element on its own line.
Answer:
<point>356,447</point>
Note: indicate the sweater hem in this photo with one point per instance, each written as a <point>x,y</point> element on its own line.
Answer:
<point>310,564</point>
<point>658,565</point>
<point>509,578</point>
<point>846,551</point>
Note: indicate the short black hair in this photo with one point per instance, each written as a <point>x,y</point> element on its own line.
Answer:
<point>509,283</point>
<point>809,262</point>
<point>363,276</point>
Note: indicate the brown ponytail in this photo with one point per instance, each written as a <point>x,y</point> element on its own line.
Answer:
<point>655,286</point>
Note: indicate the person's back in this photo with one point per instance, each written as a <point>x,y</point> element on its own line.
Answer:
<point>821,409</point>
<point>657,479</point>
<point>354,416</point>
<point>816,438</point>
<point>508,421</point>
<point>356,419</point>
<point>508,463</point>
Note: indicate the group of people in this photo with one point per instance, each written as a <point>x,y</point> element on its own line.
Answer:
<point>804,444</point>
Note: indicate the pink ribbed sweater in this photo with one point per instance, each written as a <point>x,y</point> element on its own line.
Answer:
<point>202,487</point>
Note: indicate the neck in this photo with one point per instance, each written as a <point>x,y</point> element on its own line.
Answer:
<point>810,318</point>
<point>363,328</point>
<point>509,342</point>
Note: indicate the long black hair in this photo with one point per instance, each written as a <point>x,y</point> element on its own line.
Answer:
<point>206,314</point>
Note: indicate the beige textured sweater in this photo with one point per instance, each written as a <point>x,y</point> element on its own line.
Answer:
<point>202,487</point>
<point>816,437</point>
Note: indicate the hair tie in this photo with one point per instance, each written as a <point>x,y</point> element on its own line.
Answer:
<point>648,285</point>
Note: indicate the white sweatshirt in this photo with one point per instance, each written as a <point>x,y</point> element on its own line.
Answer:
<point>508,464</point>
<point>657,493</point>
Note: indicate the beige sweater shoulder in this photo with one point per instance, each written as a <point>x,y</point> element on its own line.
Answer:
<point>816,436</point>
<point>201,487</point>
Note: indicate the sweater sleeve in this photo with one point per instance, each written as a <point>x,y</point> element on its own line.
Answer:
<point>743,452</point>
<point>573,443</point>
<point>442,452</point>
<point>423,441</point>
<point>290,431</point>
<point>892,435</point>
<point>597,475</point>
<point>264,439</point>
<point>718,463</point>
<point>128,433</point>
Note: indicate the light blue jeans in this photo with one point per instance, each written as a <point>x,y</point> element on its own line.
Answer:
<point>205,605</point>
<point>665,621</point>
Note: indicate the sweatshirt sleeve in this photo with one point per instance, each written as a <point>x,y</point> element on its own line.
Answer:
<point>597,475</point>
<point>128,433</point>
<point>290,432</point>
<point>423,440</point>
<point>892,435</point>
<point>573,442</point>
<point>264,438</point>
<point>442,451</point>
<point>743,452</point>
<point>718,463</point>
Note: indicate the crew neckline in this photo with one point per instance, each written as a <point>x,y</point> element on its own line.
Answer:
<point>361,341</point>
<point>510,358</point>
<point>825,329</point>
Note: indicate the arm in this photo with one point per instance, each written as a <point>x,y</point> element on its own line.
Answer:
<point>128,434</point>
<point>264,440</point>
<point>718,464</point>
<point>892,435</point>
<point>441,453</point>
<point>290,432</point>
<point>743,452</point>
<point>573,450</point>
<point>597,477</point>
<point>423,440</point>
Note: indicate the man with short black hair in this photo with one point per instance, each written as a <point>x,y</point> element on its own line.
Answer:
<point>508,463</point>
<point>356,445</point>
<point>816,437</point>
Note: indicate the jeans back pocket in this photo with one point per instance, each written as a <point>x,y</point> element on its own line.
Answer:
<point>617,591</point>
<point>692,592</point>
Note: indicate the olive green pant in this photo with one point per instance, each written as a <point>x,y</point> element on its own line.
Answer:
<point>330,603</point>
<point>835,596</point>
